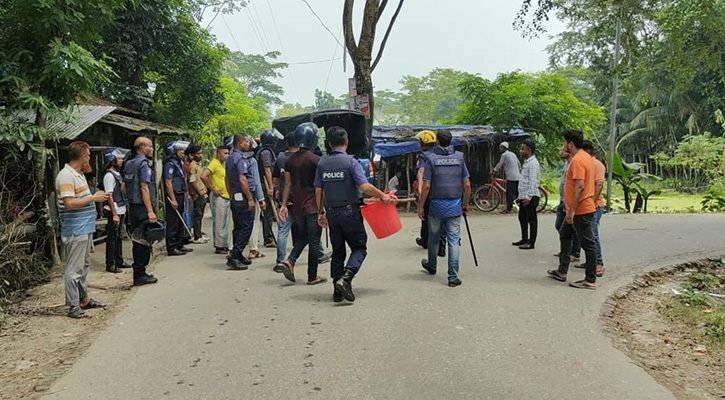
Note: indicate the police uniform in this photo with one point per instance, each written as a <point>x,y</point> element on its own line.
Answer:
<point>136,171</point>
<point>242,216</point>
<point>267,153</point>
<point>422,159</point>
<point>340,175</point>
<point>174,170</point>
<point>445,170</point>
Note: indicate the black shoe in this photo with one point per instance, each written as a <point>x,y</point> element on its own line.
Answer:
<point>236,265</point>
<point>279,268</point>
<point>419,241</point>
<point>186,249</point>
<point>520,242</point>
<point>325,258</point>
<point>344,285</point>
<point>424,263</point>
<point>337,294</point>
<point>113,270</point>
<point>527,246</point>
<point>144,280</point>
<point>454,283</point>
<point>245,261</point>
<point>175,252</point>
<point>441,251</point>
<point>149,275</point>
<point>124,266</point>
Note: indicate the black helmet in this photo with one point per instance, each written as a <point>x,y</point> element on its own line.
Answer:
<point>149,233</point>
<point>306,135</point>
<point>229,142</point>
<point>270,137</point>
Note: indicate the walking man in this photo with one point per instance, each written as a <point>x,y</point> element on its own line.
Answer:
<point>528,196</point>
<point>114,210</point>
<point>214,178</point>
<point>512,167</point>
<point>339,180</point>
<point>426,141</point>
<point>141,192</point>
<point>445,182</point>
<point>258,193</point>
<point>580,209</point>
<point>198,192</point>
<point>77,207</point>
<point>561,210</point>
<point>599,176</point>
<point>239,182</point>
<point>266,159</point>
<point>175,201</point>
<point>299,174</point>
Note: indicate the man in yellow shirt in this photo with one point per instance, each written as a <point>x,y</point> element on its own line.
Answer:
<point>214,178</point>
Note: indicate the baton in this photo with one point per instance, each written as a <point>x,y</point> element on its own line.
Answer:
<point>180,217</point>
<point>470,239</point>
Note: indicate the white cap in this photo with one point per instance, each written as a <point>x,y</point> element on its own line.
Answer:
<point>504,144</point>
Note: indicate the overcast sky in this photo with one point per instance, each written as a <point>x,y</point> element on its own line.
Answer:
<point>475,36</point>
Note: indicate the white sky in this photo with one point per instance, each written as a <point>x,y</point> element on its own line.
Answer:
<point>474,36</point>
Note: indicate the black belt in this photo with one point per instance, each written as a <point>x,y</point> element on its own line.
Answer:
<point>349,207</point>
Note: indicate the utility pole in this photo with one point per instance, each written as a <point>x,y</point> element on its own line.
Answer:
<point>613,120</point>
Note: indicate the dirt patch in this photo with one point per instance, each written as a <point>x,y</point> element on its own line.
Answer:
<point>39,343</point>
<point>644,323</point>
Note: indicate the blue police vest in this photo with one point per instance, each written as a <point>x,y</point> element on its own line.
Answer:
<point>178,181</point>
<point>447,174</point>
<point>132,177</point>
<point>117,194</point>
<point>340,188</point>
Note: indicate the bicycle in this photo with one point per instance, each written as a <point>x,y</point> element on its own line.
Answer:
<point>488,196</point>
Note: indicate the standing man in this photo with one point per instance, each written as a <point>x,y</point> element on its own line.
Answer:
<point>258,192</point>
<point>77,207</point>
<point>394,182</point>
<point>512,167</point>
<point>175,201</point>
<point>341,178</point>
<point>266,159</point>
<point>529,196</point>
<point>426,141</point>
<point>214,178</point>
<point>141,193</point>
<point>114,210</point>
<point>599,176</point>
<point>239,181</point>
<point>198,191</point>
<point>580,209</point>
<point>561,210</point>
<point>299,174</point>
<point>445,182</point>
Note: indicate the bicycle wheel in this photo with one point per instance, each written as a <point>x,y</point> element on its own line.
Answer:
<point>543,199</point>
<point>485,198</point>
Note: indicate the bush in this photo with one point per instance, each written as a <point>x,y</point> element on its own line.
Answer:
<point>713,200</point>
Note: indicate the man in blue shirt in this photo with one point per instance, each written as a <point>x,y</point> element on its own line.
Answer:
<point>445,181</point>
<point>426,140</point>
<point>175,187</point>
<point>240,181</point>
<point>340,178</point>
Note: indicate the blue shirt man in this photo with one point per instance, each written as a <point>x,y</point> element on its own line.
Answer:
<point>445,182</point>
<point>340,179</point>
<point>240,185</point>
<point>175,201</point>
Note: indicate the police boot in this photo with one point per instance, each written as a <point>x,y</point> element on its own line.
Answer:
<point>337,294</point>
<point>345,285</point>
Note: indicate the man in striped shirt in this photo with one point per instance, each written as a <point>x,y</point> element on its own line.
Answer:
<point>528,196</point>
<point>78,223</point>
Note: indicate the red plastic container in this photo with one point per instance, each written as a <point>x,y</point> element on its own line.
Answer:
<point>382,218</point>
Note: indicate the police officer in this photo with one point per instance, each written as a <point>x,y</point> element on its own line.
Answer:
<point>266,159</point>
<point>240,181</point>
<point>445,181</point>
<point>175,187</point>
<point>426,140</point>
<point>141,192</point>
<point>115,209</point>
<point>339,179</point>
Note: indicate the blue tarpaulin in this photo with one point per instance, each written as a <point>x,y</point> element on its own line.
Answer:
<point>393,141</point>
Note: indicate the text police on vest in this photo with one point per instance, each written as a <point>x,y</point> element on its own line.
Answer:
<point>333,175</point>
<point>448,161</point>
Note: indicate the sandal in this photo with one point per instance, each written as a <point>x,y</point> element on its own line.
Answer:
<point>318,280</point>
<point>93,304</point>
<point>600,273</point>
<point>583,284</point>
<point>554,274</point>
<point>288,271</point>
<point>76,312</point>
<point>255,254</point>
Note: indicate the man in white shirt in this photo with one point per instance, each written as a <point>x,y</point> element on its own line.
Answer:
<point>394,182</point>
<point>512,167</point>
<point>528,196</point>
<point>114,209</point>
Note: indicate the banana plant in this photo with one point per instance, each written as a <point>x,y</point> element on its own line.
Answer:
<point>630,177</point>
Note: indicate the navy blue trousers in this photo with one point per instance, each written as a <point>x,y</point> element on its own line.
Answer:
<point>346,227</point>
<point>243,219</point>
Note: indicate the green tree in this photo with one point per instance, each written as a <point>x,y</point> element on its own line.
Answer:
<point>290,109</point>
<point>258,72</point>
<point>326,101</point>
<point>431,98</point>
<point>242,113</point>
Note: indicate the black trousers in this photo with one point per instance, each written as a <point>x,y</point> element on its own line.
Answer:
<point>346,227</point>
<point>114,245</point>
<point>198,215</point>
<point>583,229</point>
<point>512,192</point>
<point>243,219</point>
<point>306,232</point>
<point>529,220</point>
<point>268,223</point>
<point>424,228</point>
<point>138,217</point>
<point>174,224</point>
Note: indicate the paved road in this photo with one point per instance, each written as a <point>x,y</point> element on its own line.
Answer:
<point>507,333</point>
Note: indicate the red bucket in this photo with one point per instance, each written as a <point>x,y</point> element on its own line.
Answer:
<point>382,218</point>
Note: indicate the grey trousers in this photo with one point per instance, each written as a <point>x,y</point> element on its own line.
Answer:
<point>77,265</point>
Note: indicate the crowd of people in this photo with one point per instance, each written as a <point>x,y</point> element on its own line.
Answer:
<point>304,193</point>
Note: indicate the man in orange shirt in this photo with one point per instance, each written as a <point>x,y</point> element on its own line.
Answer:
<point>580,210</point>
<point>599,176</point>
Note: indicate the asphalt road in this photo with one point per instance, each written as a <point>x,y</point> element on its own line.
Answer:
<point>507,333</point>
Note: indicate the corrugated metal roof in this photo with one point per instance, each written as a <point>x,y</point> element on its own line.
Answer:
<point>138,125</point>
<point>82,118</point>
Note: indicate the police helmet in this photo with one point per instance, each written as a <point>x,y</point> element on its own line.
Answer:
<point>172,147</point>
<point>306,135</point>
<point>270,137</point>
<point>426,137</point>
<point>229,142</point>
<point>112,154</point>
<point>149,233</point>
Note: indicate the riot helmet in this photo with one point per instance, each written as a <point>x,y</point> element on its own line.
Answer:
<point>149,233</point>
<point>306,135</point>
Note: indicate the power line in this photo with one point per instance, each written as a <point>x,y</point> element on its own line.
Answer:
<point>261,25</point>
<point>323,23</point>
<point>332,63</point>
<point>281,46</point>
<point>256,34</point>
<point>234,39</point>
<point>314,62</point>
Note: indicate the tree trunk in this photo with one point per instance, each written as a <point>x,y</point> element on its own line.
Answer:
<point>46,232</point>
<point>638,203</point>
